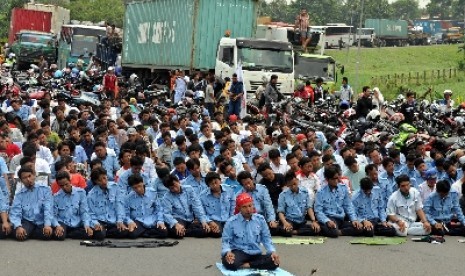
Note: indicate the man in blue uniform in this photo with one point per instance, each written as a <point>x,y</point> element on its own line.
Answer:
<point>183,211</point>
<point>242,235</point>
<point>294,204</point>
<point>369,206</point>
<point>261,199</point>
<point>144,209</point>
<point>218,203</point>
<point>106,206</point>
<point>441,207</point>
<point>5,226</point>
<point>332,204</point>
<point>195,179</point>
<point>71,214</point>
<point>136,163</point>
<point>31,213</point>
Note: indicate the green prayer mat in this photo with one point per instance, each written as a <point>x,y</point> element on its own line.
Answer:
<point>379,241</point>
<point>298,240</point>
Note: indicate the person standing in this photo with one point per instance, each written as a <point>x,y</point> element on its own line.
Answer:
<point>364,104</point>
<point>236,90</point>
<point>347,93</point>
<point>180,87</point>
<point>110,83</point>
<point>210,95</point>
<point>242,235</point>
<point>302,23</point>
<point>272,93</point>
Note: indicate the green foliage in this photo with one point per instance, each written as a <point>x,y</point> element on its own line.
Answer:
<point>6,6</point>
<point>98,10</point>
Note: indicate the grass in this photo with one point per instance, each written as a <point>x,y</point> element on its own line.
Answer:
<point>377,62</point>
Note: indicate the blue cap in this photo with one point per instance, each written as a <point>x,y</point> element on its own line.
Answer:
<point>431,174</point>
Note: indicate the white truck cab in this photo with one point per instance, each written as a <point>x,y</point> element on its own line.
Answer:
<point>260,58</point>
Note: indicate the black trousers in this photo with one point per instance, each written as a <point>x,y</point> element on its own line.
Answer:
<point>219,234</point>
<point>111,231</point>
<point>454,230</point>
<point>256,261</point>
<point>34,231</point>
<point>144,232</point>
<point>79,233</point>
<point>193,229</point>
<point>303,229</point>
<point>345,227</point>
<point>379,230</point>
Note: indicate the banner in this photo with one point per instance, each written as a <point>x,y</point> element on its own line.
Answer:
<point>240,77</point>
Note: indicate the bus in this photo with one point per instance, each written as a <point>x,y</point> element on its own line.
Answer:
<point>76,40</point>
<point>334,34</point>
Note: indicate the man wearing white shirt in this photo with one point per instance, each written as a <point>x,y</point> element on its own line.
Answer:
<point>404,207</point>
<point>277,164</point>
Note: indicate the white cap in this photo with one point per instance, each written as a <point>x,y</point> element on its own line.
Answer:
<point>111,68</point>
<point>32,116</point>
<point>462,160</point>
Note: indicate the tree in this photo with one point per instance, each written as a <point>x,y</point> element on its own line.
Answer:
<point>6,7</point>
<point>406,9</point>
<point>98,10</point>
<point>441,9</point>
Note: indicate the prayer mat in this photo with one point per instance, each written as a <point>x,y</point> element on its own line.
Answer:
<point>300,240</point>
<point>253,272</point>
<point>379,241</point>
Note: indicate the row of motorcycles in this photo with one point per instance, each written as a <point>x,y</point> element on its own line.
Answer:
<point>441,130</point>
<point>438,129</point>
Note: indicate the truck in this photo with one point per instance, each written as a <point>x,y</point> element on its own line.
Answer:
<point>366,36</point>
<point>77,40</point>
<point>389,32</point>
<point>452,35</point>
<point>203,35</point>
<point>60,15</point>
<point>309,67</point>
<point>30,45</point>
<point>28,20</point>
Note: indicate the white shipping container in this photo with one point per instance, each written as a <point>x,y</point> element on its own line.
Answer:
<point>60,15</point>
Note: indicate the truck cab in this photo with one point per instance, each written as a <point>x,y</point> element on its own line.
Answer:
<point>259,58</point>
<point>30,45</point>
<point>310,67</point>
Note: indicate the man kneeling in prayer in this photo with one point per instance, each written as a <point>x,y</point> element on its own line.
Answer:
<point>242,236</point>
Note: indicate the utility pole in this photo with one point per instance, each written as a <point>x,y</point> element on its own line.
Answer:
<point>359,46</point>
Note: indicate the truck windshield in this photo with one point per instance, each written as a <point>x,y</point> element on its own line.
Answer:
<point>83,45</point>
<point>312,68</point>
<point>35,38</point>
<point>266,59</point>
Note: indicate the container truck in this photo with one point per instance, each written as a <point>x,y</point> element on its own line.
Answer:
<point>60,15</point>
<point>389,32</point>
<point>28,20</point>
<point>190,35</point>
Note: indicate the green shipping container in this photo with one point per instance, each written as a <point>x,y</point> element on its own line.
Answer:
<point>170,34</point>
<point>385,28</point>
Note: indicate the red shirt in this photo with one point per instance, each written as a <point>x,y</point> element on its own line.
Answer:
<point>11,150</point>
<point>77,180</point>
<point>110,81</point>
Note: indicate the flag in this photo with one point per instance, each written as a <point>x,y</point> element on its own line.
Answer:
<point>240,77</point>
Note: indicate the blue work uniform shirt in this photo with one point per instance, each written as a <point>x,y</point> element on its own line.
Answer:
<point>71,209</point>
<point>218,208</point>
<point>372,207</point>
<point>184,206</point>
<point>198,186</point>
<point>145,209</point>
<point>34,205</point>
<point>439,209</point>
<point>246,235</point>
<point>294,206</point>
<point>123,181</point>
<point>333,203</point>
<point>106,205</point>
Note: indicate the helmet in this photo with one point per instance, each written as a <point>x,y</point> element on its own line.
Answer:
<point>111,68</point>
<point>400,97</point>
<point>373,115</point>
<point>434,108</point>
<point>447,92</point>
<point>58,74</point>
<point>53,67</point>
<point>300,87</point>
<point>75,70</point>
<point>344,104</point>
<point>200,95</point>
<point>11,55</point>
<point>9,82</point>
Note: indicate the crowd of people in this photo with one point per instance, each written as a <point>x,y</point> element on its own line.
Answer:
<point>121,171</point>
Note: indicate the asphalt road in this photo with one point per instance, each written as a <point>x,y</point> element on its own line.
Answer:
<point>197,257</point>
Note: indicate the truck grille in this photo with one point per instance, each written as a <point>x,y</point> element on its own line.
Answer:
<point>255,84</point>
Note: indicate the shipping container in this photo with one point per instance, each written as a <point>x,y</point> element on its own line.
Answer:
<point>446,24</point>
<point>169,34</point>
<point>60,15</point>
<point>388,29</point>
<point>22,19</point>
<point>431,27</point>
